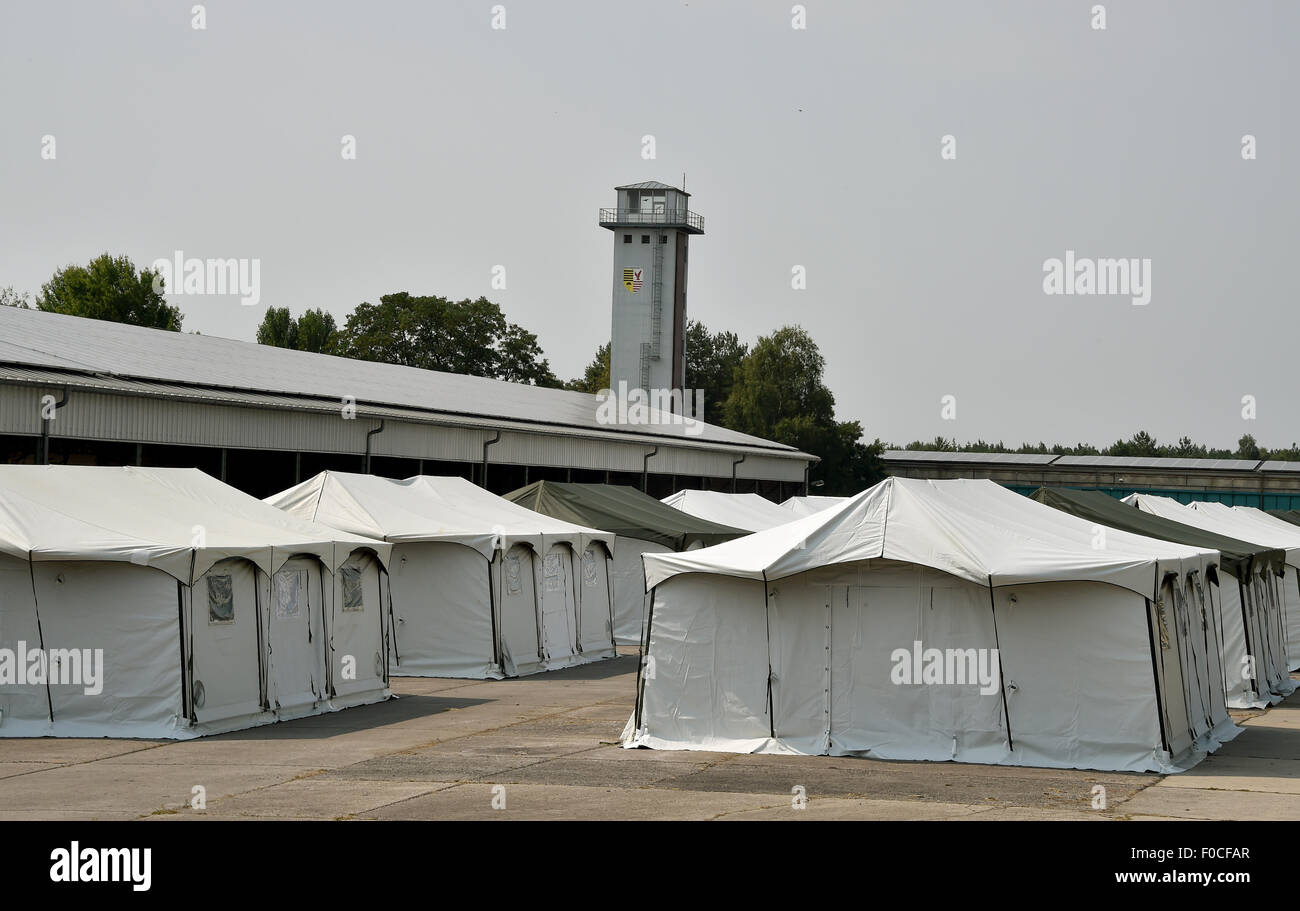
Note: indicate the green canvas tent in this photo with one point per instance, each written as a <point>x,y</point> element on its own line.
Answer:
<point>640,523</point>
<point>1238,558</point>
<point>1237,627</point>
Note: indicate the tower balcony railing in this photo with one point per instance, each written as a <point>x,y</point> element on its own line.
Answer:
<point>685,218</point>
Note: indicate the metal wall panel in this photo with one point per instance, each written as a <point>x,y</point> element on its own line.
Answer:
<point>174,421</point>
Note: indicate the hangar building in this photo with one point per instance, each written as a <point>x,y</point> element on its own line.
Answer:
<point>83,391</point>
<point>1237,482</point>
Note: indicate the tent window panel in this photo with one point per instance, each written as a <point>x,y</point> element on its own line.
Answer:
<point>514,584</point>
<point>589,568</point>
<point>221,601</point>
<point>290,584</point>
<point>553,570</point>
<point>352,599</point>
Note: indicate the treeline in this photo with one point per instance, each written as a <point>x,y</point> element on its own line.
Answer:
<point>773,390</point>
<point>1140,444</point>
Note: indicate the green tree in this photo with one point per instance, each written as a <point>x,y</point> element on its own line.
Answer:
<point>316,331</point>
<point>1142,444</point>
<point>1247,448</point>
<point>778,394</point>
<point>111,288</point>
<point>1186,449</point>
<point>711,362</point>
<point>470,336</point>
<point>313,331</point>
<point>278,328</point>
<point>779,380</point>
<point>595,379</point>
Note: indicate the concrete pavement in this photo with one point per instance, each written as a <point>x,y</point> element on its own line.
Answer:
<point>543,747</point>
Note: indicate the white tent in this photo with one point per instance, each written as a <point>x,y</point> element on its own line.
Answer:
<point>857,631</point>
<point>1258,526</point>
<point>205,609</point>
<point>747,511</point>
<point>641,524</point>
<point>806,506</point>
<point>1254,639</point>
<point>481,587</point>
<point>1197,682</point>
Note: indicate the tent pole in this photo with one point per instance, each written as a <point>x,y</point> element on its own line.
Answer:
<point>180,626</point>
<point>327,631</point>
<point>1002,678</point>
<point>380,572</point>
<point>767,615</point>
<point>609,588</point>
<point>261,645</point>
<point>189,667</point>
<point>392,625</point>
<point>492,609</point>
<point>641,659</point>
<point>1216,619</point>
<point>40,635</point>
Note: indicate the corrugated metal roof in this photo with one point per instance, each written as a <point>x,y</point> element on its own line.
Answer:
<point>205,367</point>
<point>1097,461</point>
<point>984,458</point>
<point>1084,461</point>
<point>1278,465</point>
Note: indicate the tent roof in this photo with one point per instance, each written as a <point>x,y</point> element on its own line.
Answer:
<point>622,510</point>
<point>916,521</point>
<point>1223,521</point>
<point>178,520</point>
<point>739,510</point>
<point>1259,525</point>
<point>428,508</point>
<point>1236,555</point>
<point>1286,515</point>
<point>806,506</point>
<point>1053,524</point>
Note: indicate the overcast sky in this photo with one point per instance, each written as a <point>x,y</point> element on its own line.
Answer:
<point>818,147</point>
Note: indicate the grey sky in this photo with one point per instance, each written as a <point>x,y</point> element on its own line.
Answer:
<point>478,147</point>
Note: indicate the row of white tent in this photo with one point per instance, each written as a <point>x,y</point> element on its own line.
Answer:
<point>1262,632</point>
<point>214,611</point>
<point>819,635</point>
<point>481,587</point>
<point>162,603</point>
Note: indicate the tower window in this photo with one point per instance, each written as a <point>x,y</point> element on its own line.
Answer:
<point>627,238</point>
<point>645,238</point>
